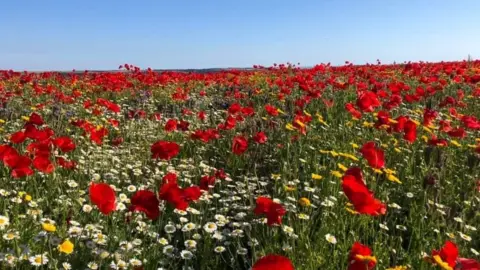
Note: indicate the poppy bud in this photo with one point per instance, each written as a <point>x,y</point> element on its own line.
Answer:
<point>430,180</point>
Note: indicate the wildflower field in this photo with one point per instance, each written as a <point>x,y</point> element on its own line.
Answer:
<point>346,167</point>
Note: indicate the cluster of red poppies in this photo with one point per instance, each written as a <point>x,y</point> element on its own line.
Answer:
<point>42,141</point>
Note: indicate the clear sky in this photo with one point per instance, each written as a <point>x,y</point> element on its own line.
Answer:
<point>102,34</point>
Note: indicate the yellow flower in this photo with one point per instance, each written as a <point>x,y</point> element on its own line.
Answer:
<point>304,202</point>
<point>276,176</point>
<point>397,150</point>
<point>320,119</point>
<point>392,121</point>
<point>441,263</point>
<point>342,167</point>
<point>366,258</point>
<point>384,127</point>
<point>389,171</point>
<point>416,122</point>
<point>354,145</point>
<point>280,111</point>
<point>324,151</point>
<point>316,176</point>
<point>393,178</point>
<point>395,142</point>
<point>26,118</point>
<point>350,156</point>
<point>400,267</point>
<point>289,188</point>
<point>454,142</point>
<point>66,247</point>
<point>300,123</point>
<point>425,138</point>
<point>2,121</point>
<point>28,198</point>
<point>336,174</point>
<point>265,118</point>
<point>49,227</point>
<point>306,113</point>
<point>378,171</point>
<point>290,127</point>
<point>351,211</point>
<point>428,130</point>
<point>333,153</point>
<point>368,124</point>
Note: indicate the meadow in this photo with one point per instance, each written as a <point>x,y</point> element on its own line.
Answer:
<point>330,167</point>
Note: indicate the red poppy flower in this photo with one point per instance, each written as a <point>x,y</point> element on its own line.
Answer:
<point>400,125</point>
<point>271,110</point>
<point>186,112</point>
<point>248,111</point>
<point>35,119</point>
<point>429,116</point>
<point>18,137</point>
<point>361,258</point>
<point>169,178</point>
<point>103,196</point>
<point>351,109</point>
<point>183,125</point>
<point>171,125</point>
<point>383,119</point>
<point>468,264</point>
<point>447,254</point>
<point>375,156</point>
<point>471,122</point>
<point>239,145</point>
<point>98,134</point>
<point>457,133</point>
<point>114,122</point>
<point>445,126</point>
<point>21,172</point>
<point>260,137</point>
<point>229,124</point>
<point>220,174</point>
<point>65,144</point>
<point>164,150</point>
<point>205,135</point>
<point>367,101</point>
<point>177,196</point>
<point>410,130</point>
<point>234,108</point>
<point>156,116</point>
<point>145,201</point>
<point>69,165</point>
<point>109,105</point>
<point>117,141</point>
<point>273,262</point>
<point>434,141</point>
<point>359,195</point>
<point>207,181</point>
<point>43,164</point>
<point>274,211</point>
<point>201,115</point>
<point>34,133</point>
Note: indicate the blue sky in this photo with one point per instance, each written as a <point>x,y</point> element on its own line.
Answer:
<point>65,35</point>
